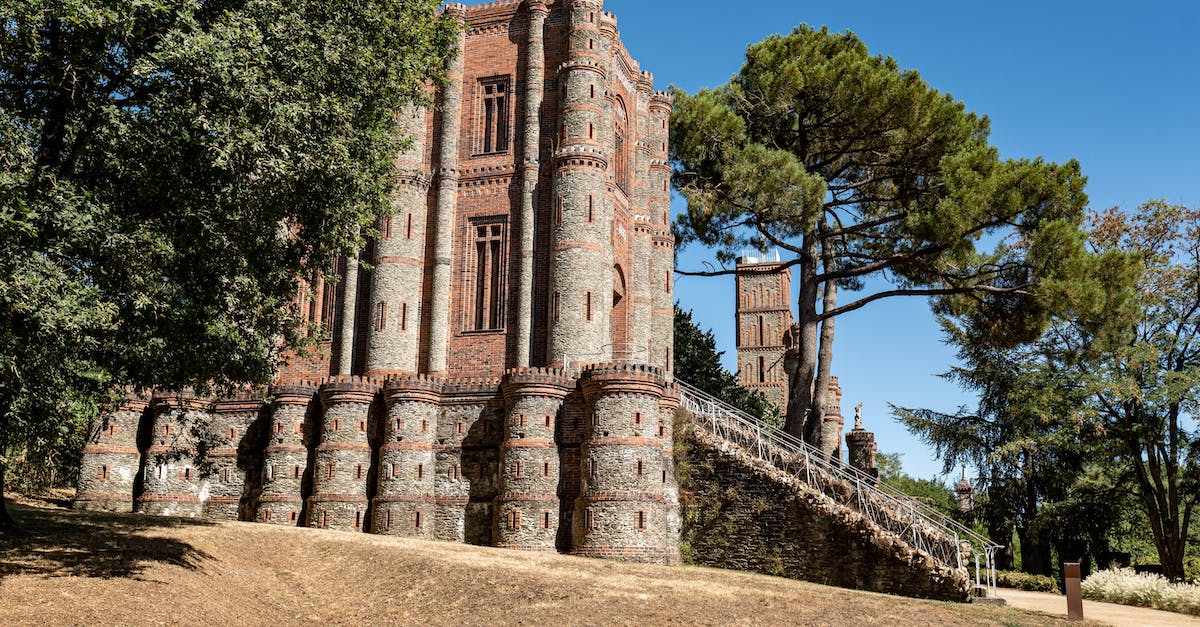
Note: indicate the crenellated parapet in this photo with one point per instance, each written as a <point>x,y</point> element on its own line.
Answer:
<point>527,507</point>
<point>172,482</point>
<point>621,512</point>
<point>342,465</point>
<point>111,458</point>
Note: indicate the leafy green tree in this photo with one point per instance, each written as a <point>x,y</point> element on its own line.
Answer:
<point>866,176</point>
<point>698,362</point>
<point>168,171</point>
<point>933,491</point>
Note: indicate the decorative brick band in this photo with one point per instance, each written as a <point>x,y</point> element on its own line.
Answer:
<point>237,405</point>
<point>292,394</point>
<point>623,440</point>
<point>406,445</point>
<point>285,448</point>
<point>170,498</point>
<point>280,498</point>
<point>621,552</point>
<point>343,446</point>
<point>111,450</point>
<point>508,497</point>
<point>338,498</point>
<point>600,497</point>
<point>527,443</point>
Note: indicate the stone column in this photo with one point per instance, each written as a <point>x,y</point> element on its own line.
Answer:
<point>224,437</point>
<point>404,500</point>
<point>621,512</point>
<point>861,447</point>
<point>343,460</point>
<point>527,507</point>
<point>581,255</point>
<point>345,358</point>
<point>832,422</point>
<point>662,269</point>
<point>111,458</point>
<point>172,482</point>
<point>399,261</point>
<point>535,83</point>
<point>447,201</point>
<point>285,458</point>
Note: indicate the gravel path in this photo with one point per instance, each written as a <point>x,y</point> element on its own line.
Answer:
<point>1110,613</point>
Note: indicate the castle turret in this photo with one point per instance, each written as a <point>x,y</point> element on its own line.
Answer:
<point>343,458</point>
<point>111,458</point>
<point>621,512</point>
<point>644,224</point>
<point>399,261</point>
<point>470,429</point>
<point>832,422</point>
<point>227,434</point>
<point>861,446</point>
<point>527,507</point>
<point>662,255</point>
<point>404,501</point>
<point>581,257</point>
<point>285,458</point>
<point>172,482</point>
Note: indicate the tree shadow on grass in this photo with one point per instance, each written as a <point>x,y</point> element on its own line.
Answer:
<point>65,543</point>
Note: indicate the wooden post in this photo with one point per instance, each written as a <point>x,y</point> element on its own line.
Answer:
<point>1074,596</point>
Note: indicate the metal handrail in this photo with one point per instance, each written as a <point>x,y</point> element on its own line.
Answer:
<point>921,526</point>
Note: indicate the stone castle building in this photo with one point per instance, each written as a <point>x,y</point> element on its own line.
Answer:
<point>501,375</point>
<point>495,366</point>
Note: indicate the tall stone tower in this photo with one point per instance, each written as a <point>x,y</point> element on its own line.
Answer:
<point>764,313</point>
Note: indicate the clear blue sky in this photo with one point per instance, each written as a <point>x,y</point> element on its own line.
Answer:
<point>1115,85</point>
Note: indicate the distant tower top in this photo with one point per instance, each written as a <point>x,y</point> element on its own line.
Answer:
<point>763,313</point>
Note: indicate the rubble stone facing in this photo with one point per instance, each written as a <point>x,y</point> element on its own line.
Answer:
<point>285,456</point>
<point>343,456</point>
<point>404,503</point>
<point>232,475</point>
<point>527,506</point>
<point>172,485</point>
<point>111,458</point>
<point>621,512</point>
<point>745,514</point>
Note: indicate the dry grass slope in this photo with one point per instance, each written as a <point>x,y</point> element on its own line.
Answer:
<point>83,568</point>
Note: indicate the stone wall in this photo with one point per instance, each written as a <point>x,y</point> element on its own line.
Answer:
<point>743,514</point>
<point>500,461</point>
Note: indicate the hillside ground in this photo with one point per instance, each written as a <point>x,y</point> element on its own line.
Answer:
<point>85,568</point>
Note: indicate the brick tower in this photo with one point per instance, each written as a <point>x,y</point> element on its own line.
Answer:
<point>764,313</point>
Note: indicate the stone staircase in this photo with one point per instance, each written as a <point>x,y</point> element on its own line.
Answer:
<point>858,533</point>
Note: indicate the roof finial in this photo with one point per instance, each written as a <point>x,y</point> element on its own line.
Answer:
<point>858,416</point>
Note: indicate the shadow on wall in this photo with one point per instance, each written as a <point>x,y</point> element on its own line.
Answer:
<point>60,543</point>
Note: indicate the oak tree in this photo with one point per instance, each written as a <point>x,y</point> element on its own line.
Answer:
<point>169,170</point>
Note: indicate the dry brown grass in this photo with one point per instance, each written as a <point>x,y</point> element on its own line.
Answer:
<point>80,568</point>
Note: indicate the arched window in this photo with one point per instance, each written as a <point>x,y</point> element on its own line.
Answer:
<point>620,146</point>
